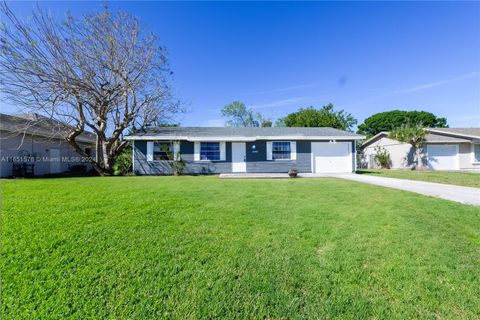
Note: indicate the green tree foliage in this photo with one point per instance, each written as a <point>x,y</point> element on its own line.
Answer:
<point>324,117</point>
<point>413,134</point>
<point>123,162</point>
<point>241,116</point>
<point>167,124</point>
<point>280,122</point>
<point>267,123</point>
<point>387,121</point>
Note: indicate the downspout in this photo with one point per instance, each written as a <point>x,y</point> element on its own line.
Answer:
<point>133,156</point>
<point>96,148</point>
<point>355,155</point>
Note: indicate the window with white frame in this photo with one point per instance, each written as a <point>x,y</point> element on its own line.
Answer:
<point>210,151</point>
<point>162,150</point>
<point>476,153</point>
<point>281,150</point>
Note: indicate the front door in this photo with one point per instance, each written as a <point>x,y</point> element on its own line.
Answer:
<point>238,157</point>
<point>55,161</point>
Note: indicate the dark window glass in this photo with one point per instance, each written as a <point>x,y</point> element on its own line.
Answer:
<point>88,151</point>
<point>280,150</point>
<point>476,148</point>
<point>210,151</point>
<point>162,150</point>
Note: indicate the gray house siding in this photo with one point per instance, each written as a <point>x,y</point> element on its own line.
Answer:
<point>327,158</point>
<point>144,167</point>
<point>205,167</point>
<point>256,160</point>
<point>36,152</point>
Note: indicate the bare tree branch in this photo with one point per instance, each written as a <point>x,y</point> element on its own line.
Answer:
<point>100,73</point>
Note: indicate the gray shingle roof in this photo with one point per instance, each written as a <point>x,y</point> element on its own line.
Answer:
<point>474,132</point>
<point>438,135</point>
<point>234,132</point>
<point>432,137</point>
<point>39,125</point>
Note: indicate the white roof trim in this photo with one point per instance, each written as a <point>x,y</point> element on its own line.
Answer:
<point>155,138</point>
<point>445,142</point>
<point>240,138</point>
<point>462,135</point>
<point>365,143</point>
<point>205,139</point>
<point>309,137</point>
<point>434,131</point>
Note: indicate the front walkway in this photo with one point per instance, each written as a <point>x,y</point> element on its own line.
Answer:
<point>254,176</point>
<point>466,195</point>
<point>270,175</point>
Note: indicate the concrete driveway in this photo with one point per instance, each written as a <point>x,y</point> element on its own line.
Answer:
<point>460,194</point>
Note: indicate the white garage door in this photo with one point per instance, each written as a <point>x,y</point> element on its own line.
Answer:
<point>328,157</point>
<point>442,157</point>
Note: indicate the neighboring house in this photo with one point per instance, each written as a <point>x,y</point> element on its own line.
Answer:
<point>444,149</point>
<point>31,144</point>
<point>221,150</point>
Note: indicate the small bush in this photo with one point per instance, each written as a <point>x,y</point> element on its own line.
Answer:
<point>177,165</point>
<point>382,157</point>
<point>175,160</point>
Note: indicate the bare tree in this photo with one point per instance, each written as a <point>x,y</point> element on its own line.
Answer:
<point>97,73</point>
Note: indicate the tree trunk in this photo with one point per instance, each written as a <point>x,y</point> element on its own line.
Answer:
<point>108,159</point>
<point>98,168</point>
<point>95,164</point>
<point>418,155</point>
<point>97,149</point>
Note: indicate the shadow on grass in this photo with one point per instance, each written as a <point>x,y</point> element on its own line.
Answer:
<point>362,171</point>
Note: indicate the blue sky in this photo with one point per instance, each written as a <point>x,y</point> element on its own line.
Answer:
<point>364,57</point>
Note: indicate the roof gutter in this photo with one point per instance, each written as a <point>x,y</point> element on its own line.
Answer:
<point>461,135</point>
<point>372,139</point>
<point>243,138</point>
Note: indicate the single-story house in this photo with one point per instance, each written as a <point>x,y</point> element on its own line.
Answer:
<point>444,149</point>
<point>34,145</point>
<point>211,150</point>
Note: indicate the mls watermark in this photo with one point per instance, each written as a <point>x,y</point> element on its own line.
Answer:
<point>74,159</point>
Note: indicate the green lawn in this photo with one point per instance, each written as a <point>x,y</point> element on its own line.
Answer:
<point>202,247</point>
<point>467,179</point>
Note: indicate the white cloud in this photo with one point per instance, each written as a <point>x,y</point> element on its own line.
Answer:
<point>437,83</point>
<point>419,87</point>
<point>278,103</point>
<point>297,87</point>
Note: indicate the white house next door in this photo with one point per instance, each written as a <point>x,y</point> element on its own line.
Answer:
<point>238,157</point>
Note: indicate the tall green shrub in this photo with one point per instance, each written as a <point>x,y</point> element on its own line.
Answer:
<point>123,162</point>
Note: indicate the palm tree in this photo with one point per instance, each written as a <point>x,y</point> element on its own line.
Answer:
<point>414,135</point>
